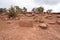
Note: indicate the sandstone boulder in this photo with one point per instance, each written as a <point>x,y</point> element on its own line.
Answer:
<point>26,24</point>
<point>43,26</point>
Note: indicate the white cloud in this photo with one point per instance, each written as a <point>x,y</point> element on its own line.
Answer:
<point>29,4</point>
<point>49,2</point>
<point>55,8</point>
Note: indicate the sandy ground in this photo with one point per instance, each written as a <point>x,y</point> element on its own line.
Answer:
<point>25,28</point>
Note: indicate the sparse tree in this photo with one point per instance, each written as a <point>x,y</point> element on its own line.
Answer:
<point>40,9</point>
<point>49,10</point>
<point>12,13</point>
<point>24,9</point>
<point>3,10</point>
<point>18,9</point>
<point>33,10</point>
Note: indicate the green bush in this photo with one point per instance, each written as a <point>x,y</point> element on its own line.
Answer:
<point>18,9</point>
<point>12,12</point>
<point>40,9</point>
<point>24,9</point>
<point>3,10</point>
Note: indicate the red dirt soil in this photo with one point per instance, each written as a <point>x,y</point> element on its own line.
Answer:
<point>25,28</point>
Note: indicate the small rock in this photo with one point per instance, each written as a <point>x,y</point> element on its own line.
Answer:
<point>58,22</point>
<point>43,26</point>
<point>52,22</point>
<point>58,16</point>
<point>6,19</point>
<point>29,15</point>
<point>8,22</point>
<point>41,21</point>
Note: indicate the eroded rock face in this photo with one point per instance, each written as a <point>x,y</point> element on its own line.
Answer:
<point>58,16</point>
<point>58,22</point>
<point>25,28</point>
<point>26,23</point>
<point>29,15</point>
<point>53,22</point>
<point>43,26</point>
<point>38,20</point>
<point>41,21</point>
<point>48,17</point>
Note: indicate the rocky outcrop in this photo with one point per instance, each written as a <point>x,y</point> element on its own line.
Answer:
<point>43,26</point>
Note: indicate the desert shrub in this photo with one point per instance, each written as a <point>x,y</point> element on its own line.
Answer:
<point>12,13</point>
<point>38,20</point>
<point>40,9</point>
<point>49,10</point>
<point>18,9</point>
<point>33,10</point>
<point>2,10</point>
<point>24,9</point>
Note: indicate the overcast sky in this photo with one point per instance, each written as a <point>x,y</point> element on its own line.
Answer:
<point>29,4</point>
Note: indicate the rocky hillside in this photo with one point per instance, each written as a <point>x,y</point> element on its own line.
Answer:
<point>30,27</point>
